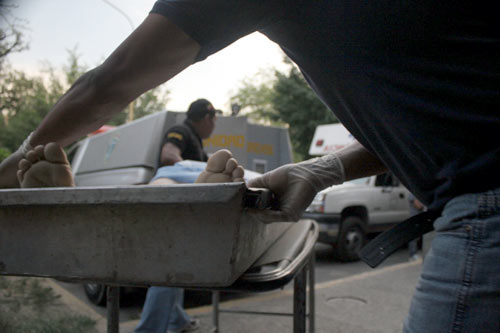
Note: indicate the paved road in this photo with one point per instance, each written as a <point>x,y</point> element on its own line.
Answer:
<point>327,269</point>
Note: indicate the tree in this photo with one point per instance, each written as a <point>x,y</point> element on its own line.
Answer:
<point>285,99</point>
<point>11,36</point>
<point>25,100</point>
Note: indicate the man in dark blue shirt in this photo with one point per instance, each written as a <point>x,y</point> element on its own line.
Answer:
<point>416,82</point>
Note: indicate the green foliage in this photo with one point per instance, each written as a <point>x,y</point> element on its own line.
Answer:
<point>25,100</point>
<point>74,69</point>
<point>285,99</point>
<point>4,153</point>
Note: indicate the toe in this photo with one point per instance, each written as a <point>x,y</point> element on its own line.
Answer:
<point>55,154</point>
<point>217,162</point>
<point>38,150</point>
<point>231,164</point>
<point>32,156</point>
<point>24,165</point>
<point>20,176</point>
<point>238,174</point>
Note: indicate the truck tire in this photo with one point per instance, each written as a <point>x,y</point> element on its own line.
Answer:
<point>351,239</point>
<point>96,293</point>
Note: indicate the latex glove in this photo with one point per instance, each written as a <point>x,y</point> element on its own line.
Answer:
<point>295,185</point>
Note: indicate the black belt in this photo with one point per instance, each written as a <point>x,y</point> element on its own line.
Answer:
<point>389,241</point>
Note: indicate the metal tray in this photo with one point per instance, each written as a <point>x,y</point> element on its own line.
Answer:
<point>176,235</point>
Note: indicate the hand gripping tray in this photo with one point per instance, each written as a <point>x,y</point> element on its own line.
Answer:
<point>177,235</point>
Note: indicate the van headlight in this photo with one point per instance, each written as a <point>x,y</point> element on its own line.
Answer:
<point>318,204</point>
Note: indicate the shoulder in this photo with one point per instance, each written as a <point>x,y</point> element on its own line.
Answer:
<point>179,132</point>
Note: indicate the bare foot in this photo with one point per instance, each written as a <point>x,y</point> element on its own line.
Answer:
<point>45,166</point>
<point>221,168</point>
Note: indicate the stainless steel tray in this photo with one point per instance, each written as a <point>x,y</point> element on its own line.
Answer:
<point>176,235</point>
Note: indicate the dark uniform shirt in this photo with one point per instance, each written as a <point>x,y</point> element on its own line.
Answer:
<point>416,82</point>
<point>187,140</point>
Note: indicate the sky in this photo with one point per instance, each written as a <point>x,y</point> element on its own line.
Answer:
<point>95,29</point>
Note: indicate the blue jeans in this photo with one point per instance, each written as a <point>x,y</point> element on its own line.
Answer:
<point>459,288</point>
<point>162,310</point>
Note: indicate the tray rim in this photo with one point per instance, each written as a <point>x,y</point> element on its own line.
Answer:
<point>123,194</point>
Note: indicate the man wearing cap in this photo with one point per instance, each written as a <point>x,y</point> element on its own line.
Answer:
<point>183,141</point>
<point>163,308</point>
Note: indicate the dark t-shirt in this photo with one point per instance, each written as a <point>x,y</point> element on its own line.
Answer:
<point>187,140</point>
<point>416,82</point>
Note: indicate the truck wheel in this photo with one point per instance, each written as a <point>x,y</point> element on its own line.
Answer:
<point>96,293</point>
<point>351,239</point>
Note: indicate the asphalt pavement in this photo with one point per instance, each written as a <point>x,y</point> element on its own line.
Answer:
<point>374,301</point>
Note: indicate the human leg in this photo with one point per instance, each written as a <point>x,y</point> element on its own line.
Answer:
<point>221,167</point>
<point>413,249</point>
<point>178,317</point>
<point>459,287</point>
<point>158,306</point>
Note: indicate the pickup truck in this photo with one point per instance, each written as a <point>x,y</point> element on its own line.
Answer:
<point>350,213</point>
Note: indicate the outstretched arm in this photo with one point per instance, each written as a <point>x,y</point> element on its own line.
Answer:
<point>155,52</point>
<point>295,185</point>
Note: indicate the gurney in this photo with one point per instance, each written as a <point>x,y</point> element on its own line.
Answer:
<point>190,235</point>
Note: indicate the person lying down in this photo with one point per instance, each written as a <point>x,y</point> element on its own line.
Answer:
<point>188,171</point>
<point>48,166</point>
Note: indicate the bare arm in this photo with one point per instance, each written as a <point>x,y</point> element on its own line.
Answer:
<point>358,162</point>
<point>170,154</point>
<point>155,52</point>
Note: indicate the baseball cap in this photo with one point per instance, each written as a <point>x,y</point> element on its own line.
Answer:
<point>199,108</point>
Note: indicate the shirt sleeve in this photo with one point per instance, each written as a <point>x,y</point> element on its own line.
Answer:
<point>214,24</point>
<point>178,136</point>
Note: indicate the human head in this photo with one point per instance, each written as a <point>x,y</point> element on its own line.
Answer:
<point>202,115</point>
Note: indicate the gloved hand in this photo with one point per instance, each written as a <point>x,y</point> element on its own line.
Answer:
<point>295,185</point>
